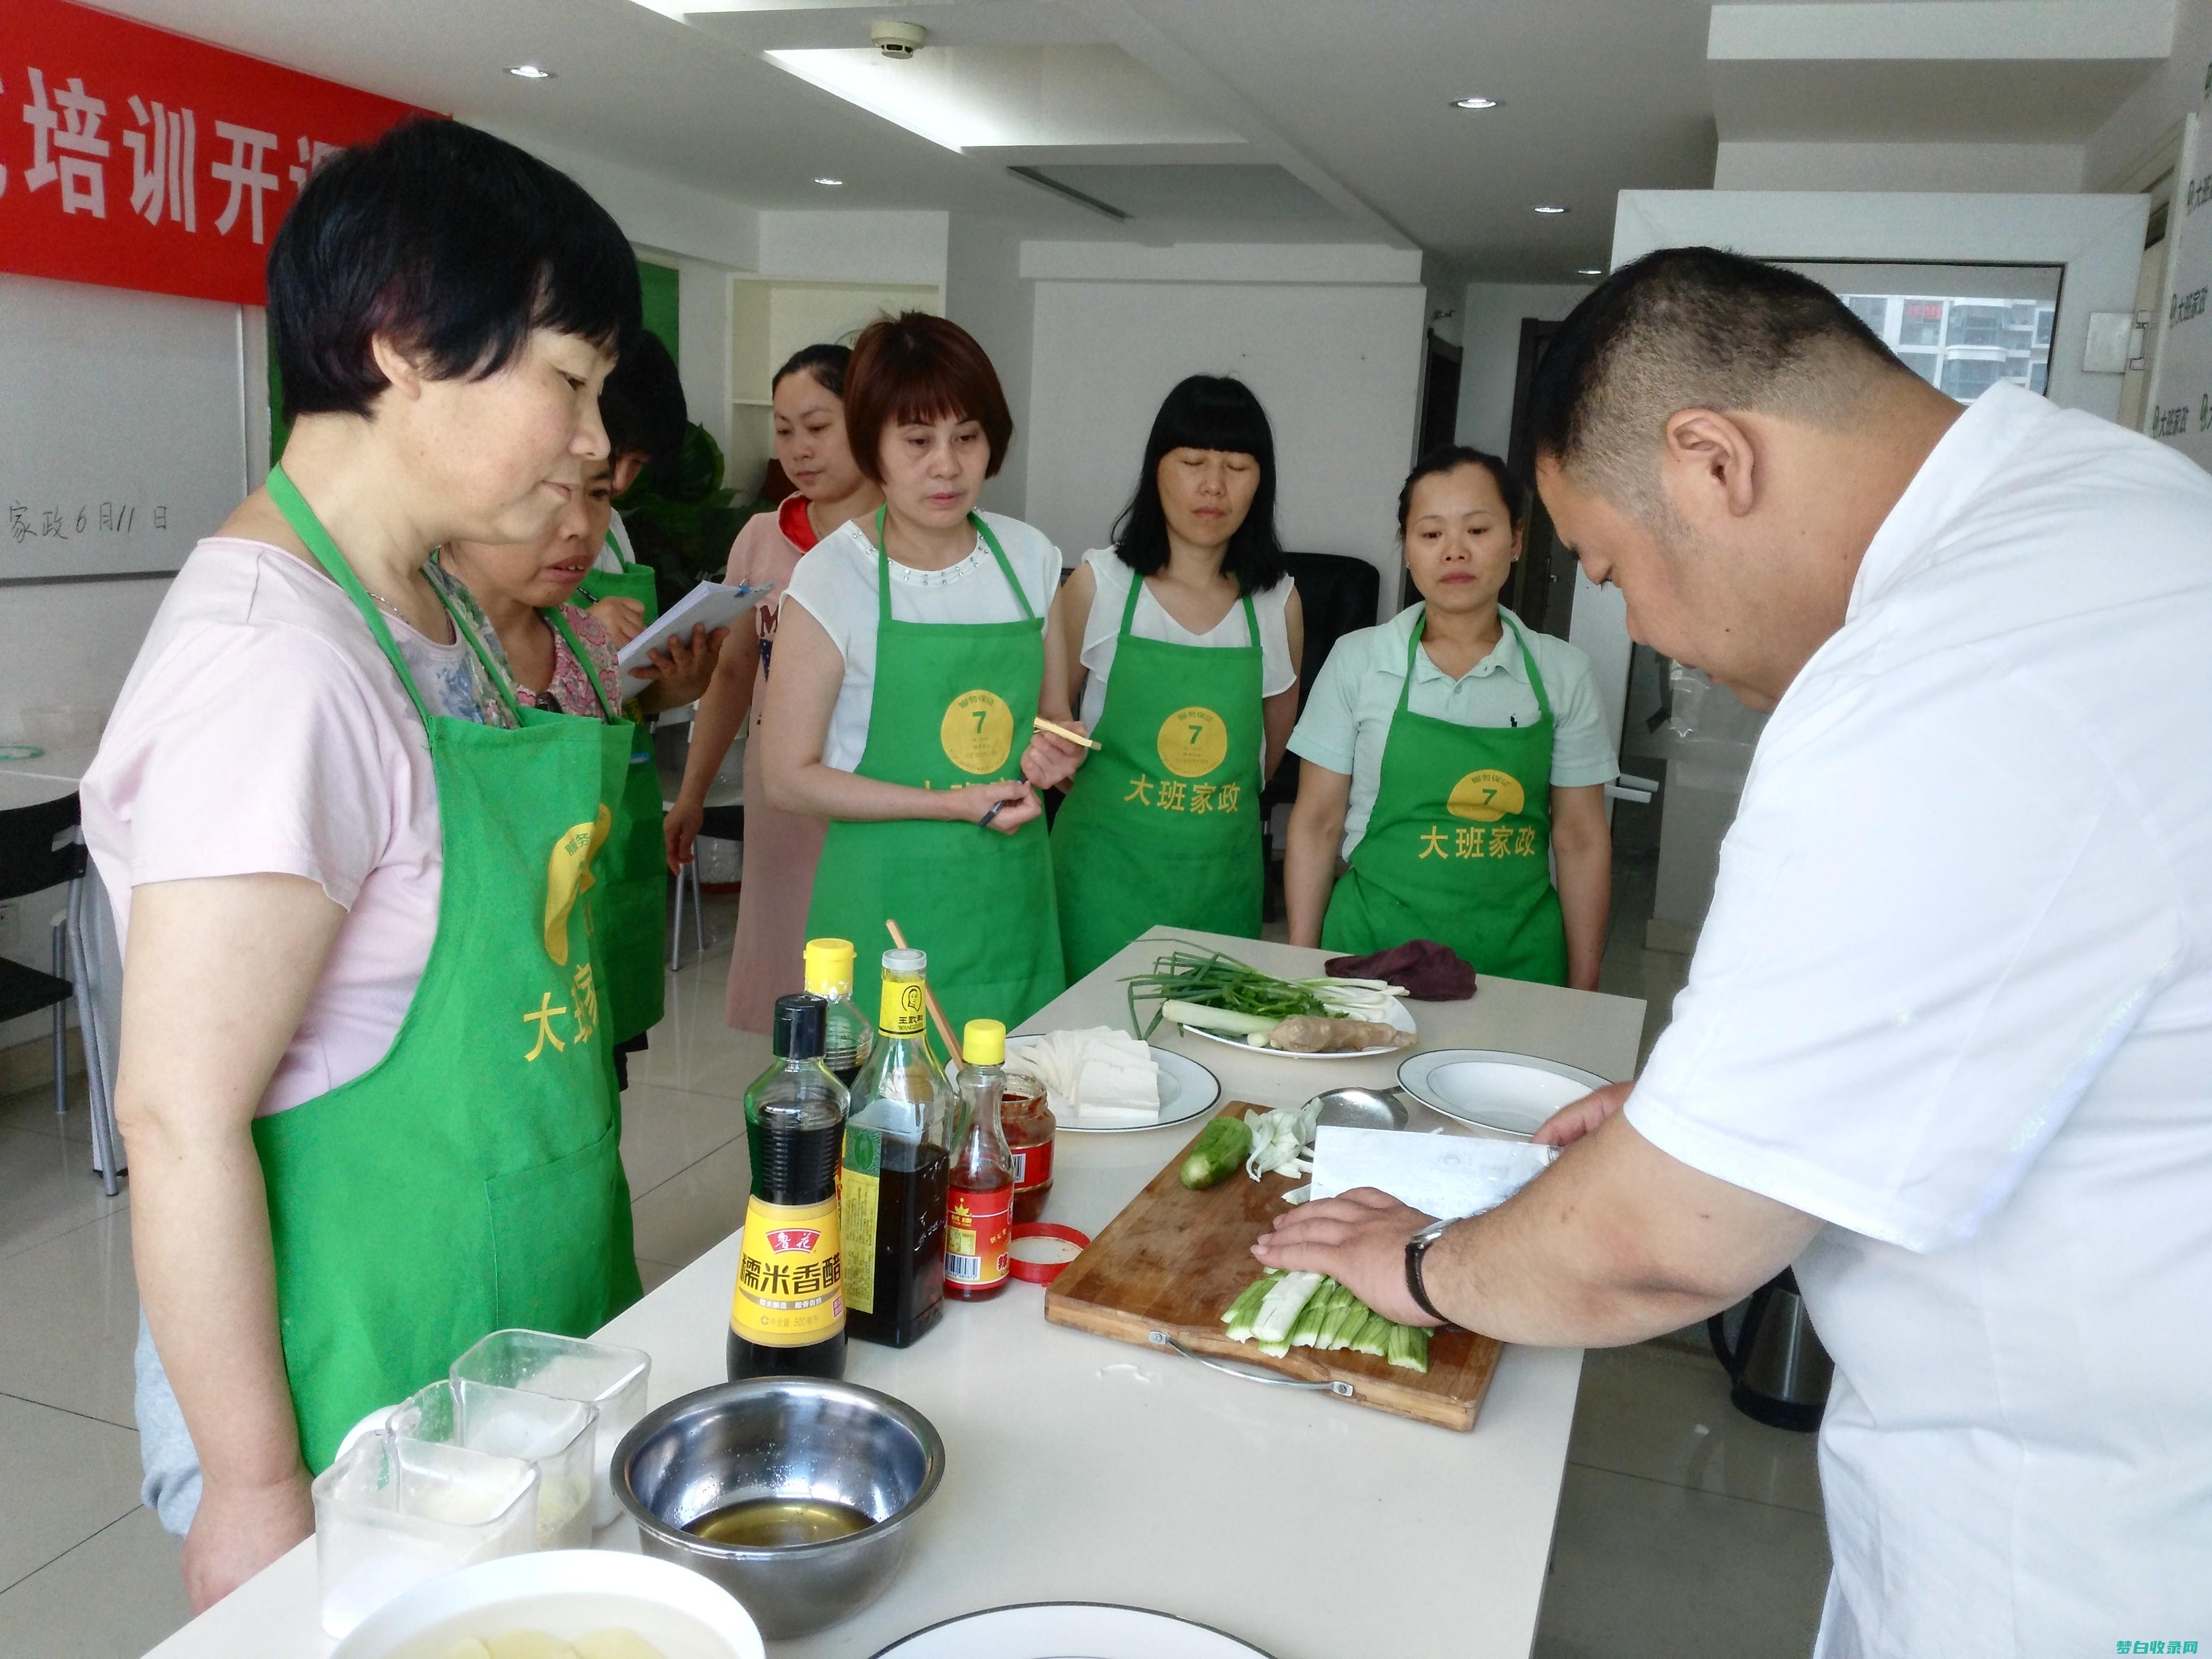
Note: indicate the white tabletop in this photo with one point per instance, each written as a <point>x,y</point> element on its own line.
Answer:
<point>1082,1468</point>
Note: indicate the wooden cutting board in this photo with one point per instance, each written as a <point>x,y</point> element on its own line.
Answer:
<point>1173,1259</point>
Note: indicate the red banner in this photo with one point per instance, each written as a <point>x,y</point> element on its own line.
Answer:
<point>136,158</point>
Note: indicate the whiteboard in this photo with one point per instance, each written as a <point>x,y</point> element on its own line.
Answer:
<point>126,428</point>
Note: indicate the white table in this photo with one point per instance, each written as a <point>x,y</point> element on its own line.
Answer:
<point>1082,1468</point>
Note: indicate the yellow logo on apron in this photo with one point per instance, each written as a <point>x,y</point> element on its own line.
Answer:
<point>568,872</point>
<point>1485,797</point>
<point>977,731</point>
<point>1193,741</point>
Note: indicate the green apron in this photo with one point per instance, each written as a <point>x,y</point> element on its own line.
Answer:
<point>1459,846</point>
<point>633,581</point>
<point>631,895</point>
<point>953,704</point>
<point>1162,825</point>
<point>471,1179</point>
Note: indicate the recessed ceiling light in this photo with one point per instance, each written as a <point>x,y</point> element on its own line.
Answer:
<point>1589,271</point>
<point>530,72</point>
<point>1548,207</point>
<point>833,184</point>
<point>1474,103</point>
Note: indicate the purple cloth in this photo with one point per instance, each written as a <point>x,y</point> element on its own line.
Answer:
<point>1430,972</point>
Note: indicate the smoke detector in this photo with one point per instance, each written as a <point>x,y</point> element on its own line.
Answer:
<point>895,40</point>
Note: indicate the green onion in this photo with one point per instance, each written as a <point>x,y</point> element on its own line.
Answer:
<point>1212,979</point>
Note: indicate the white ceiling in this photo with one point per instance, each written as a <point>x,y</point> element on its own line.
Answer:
<point>1350,99</point>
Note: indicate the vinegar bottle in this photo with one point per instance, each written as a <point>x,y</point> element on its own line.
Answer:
<point>787,1314</point>
<point>895,1153</point>
<point>979,1203</point>
<point>847,1036</point>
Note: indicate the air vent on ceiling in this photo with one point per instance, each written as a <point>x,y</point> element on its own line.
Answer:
<point>1067,192</point>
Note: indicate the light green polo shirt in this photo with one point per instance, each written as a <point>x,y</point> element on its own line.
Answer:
<point>1346,720</point>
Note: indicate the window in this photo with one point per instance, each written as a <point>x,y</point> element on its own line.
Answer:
<point>1872,309</point>
<point>2044,316</point>
<point>1976,325</point>
<point>1922,363</point>
<point>1923,325</point>
<point>1967,378</point>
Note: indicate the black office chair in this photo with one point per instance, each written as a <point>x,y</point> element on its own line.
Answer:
<point>38,850</point>
<point>1337,595</point>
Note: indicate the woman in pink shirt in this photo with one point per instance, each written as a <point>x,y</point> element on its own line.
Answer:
<point>325,830</point>
<point>780,849</point>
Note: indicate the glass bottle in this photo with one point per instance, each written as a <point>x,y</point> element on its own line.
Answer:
<point>896,1158</point>
<point>847,1035</point>
<point>980,1191</point>
<point>1031,1128</point>
<point>787,1313</point>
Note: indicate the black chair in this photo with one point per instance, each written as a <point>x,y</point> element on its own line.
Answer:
<point>38,850</point>
<point>1338,595</point>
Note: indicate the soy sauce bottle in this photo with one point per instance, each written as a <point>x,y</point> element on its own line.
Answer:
<point>896,1158</point>
<point>787,1313</point>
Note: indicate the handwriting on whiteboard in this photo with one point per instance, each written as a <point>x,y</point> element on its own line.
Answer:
<point>84,521</point>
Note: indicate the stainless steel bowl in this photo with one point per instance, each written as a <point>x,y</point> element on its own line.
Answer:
<point>1363,1108</point>
<point>782,1438</point>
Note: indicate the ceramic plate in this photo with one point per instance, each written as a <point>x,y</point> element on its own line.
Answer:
<point>1399,1017</point>
<point>1493,1089</point>
<point>565,1594</point>
<point>1069,1630</point>
<point>1187,1089</point>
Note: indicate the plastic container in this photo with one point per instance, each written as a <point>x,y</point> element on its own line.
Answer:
<point>609,1378</point>
<point>555,1435</point>
<point>393,1512</point>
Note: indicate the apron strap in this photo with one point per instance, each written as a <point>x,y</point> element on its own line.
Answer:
<point>1413,650</point>
<point>1137,586</point>
<point>583,659</point>
<point>495,669</point>
<point>309,529</point>
<point>614,548</point>
<point>983,534</point>
<point>1535,675</point>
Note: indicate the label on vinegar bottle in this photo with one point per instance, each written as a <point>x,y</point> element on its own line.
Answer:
<point>858,1188</point>
<point>789,1292</point>
<point>979,1236</point>
<point>904,1003</point>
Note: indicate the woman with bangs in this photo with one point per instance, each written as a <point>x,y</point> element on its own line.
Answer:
<point>364,1075</point>
<point>1179,645</point>
<point>910,658</point>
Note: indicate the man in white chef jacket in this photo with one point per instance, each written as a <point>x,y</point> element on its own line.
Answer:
<point>1947,1042</point>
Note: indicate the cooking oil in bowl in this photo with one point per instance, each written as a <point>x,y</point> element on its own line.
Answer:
<point>768,1524</point>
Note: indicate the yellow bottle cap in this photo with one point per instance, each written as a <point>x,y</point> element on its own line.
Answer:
<point>983,1043</point>
<point>829,967</point>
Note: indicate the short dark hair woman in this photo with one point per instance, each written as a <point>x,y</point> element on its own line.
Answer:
<point>1178,646</point>
<point>907,665</point>
<point>1452,756</point>
<point>364,1073</point>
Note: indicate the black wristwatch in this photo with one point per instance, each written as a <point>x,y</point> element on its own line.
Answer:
<point>1416,1248</point>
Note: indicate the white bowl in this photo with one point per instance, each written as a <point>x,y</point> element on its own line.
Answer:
<point>565,1594</point>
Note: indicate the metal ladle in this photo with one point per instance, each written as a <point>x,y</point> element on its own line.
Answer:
<point>1364,1108</point>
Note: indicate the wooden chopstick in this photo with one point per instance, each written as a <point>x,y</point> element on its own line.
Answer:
<point>1043,724</point>
<point>936,1010</point>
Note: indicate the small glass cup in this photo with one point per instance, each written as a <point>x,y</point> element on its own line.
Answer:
<point>393,1512</point>
<point>612,1379</point>
<point>556,1435</point>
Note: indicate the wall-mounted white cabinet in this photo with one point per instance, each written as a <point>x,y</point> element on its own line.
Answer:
<point>771,317</point>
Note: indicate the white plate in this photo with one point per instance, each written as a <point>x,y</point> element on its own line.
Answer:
<point>1399,1017</point>
<point>1069,1630</point>
<point>1493,1089</point>
<point>565,1593</point>
<point>1187,1089</point>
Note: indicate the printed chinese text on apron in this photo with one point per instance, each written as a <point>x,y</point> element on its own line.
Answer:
<point>953,705</point>
<point>1162,826</point>
<point>471,1179</point>
<point>1458,847</point>
<point>631,895</point>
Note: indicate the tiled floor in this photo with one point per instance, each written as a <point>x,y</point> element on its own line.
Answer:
<point>1683,1527</point>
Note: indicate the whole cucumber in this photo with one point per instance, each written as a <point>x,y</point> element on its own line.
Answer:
<point>1223,1148</point>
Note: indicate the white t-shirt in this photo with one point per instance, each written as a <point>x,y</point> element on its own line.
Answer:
<point>1102,631</point>
<point>1954,999</point>
<point>836,584</point>
<point>262,730</point>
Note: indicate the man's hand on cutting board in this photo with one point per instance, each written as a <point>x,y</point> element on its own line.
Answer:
<point>1358,1239</point>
